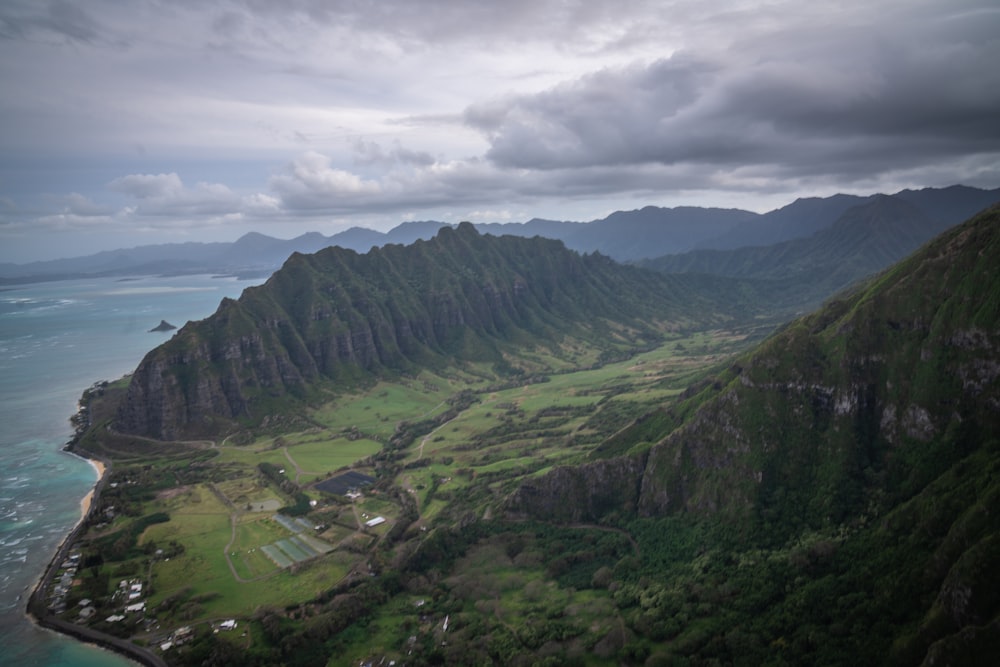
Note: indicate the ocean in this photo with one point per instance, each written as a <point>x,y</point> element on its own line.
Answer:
<point>57,339</point>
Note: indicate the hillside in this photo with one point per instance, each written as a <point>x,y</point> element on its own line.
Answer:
<point>559,460</point>
<point>864,240</point>
<point>340,317</point>
<point>858,447</point>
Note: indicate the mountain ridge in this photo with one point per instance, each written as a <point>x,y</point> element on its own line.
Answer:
<point>869,428</point>
<point>865,239</point>
<point>641,234</point>
<point>340,316</point>
<point>802,337</point>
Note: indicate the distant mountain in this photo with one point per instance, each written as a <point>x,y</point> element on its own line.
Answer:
<point>840,483</point>
<point>636,235</point>
<point>804,217</point>
<point>864,239</point>
<point>337,316</point>
<point>800,219</point>
<point>950,205</point>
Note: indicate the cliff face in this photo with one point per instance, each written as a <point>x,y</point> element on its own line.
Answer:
<point>340,316</point>
<point>881,391</point>
<point>876,393</point>
<point>584,493</point>
<point>876,421</point>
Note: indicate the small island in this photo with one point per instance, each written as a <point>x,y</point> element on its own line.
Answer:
<point>162,326</point>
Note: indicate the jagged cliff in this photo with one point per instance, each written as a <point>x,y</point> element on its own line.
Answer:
<point>882,387</point>
<point>340,316</point>
<point>875,421</point>
<point>880,391</point>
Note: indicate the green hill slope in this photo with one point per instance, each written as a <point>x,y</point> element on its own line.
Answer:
<point>338,317</point>
<point>864,240</point>
<point>843,479</point>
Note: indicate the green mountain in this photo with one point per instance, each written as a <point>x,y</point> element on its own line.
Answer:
<point>841,481</point>
<point>865,239</point>
<point>571,461</point>
<point>340,317</point>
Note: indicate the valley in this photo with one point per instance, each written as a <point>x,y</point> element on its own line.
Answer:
<point>536,457</point>
<point>440,445</point>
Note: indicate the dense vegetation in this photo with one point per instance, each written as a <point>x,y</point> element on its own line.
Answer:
<point>636,491</point>
<point>340,318</point>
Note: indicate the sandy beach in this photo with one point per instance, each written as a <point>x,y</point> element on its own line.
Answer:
<point>89,498</point>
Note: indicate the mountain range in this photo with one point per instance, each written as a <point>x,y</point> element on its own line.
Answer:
<point>626,236</point>
<point>338,316</point>
<point>872,422</point>
<point>828,496</point>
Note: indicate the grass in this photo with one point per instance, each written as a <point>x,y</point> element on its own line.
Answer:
<point>322,456</point>
<point>505,434</point>
<point>378,410</point>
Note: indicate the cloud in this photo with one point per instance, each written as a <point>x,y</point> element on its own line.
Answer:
<point>166,195</point>
<point>372,153</point>
<point>59,17</point>
<point>310,182</point>
<point>861,103</point>
<point>148,186</point>
<point>79,205</point>
<point>254,113</point>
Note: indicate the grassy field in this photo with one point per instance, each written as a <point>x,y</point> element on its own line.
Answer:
<point>220,510</point>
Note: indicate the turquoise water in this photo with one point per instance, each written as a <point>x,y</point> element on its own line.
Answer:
<point>56,339</point>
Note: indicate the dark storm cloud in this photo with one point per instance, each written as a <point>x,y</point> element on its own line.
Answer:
<point>252,113</point>
<point>59,18</point>
<point>852,102</point>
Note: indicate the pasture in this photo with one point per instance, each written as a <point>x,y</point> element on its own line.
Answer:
<point>238,558</point>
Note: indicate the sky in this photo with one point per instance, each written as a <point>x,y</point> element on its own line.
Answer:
<point>127,123</point>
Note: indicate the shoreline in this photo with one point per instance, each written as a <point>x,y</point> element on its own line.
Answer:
<point>88,500</point>
<point>37,610</point>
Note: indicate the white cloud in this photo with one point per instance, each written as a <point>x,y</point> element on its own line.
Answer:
<point>310,182</point>
<point>80,205</point>
<point>148,186</point>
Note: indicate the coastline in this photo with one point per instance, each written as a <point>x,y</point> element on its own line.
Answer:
<point>37,610</point>
<point>88,500</point>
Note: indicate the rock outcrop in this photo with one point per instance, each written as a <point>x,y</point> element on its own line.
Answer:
<point>162,326</point>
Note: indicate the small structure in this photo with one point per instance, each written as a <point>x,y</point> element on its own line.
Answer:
<point>371,523</point>
<point>228,625</point>
<point>341,485</point>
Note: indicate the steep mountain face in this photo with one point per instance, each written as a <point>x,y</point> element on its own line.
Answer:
<point>879,414</point>
<point>884,386</point>
<point>340,316</point>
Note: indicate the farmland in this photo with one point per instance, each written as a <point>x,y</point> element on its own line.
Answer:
<point>249,532</point>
